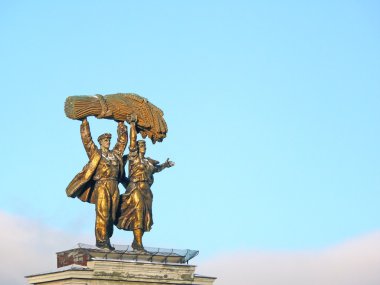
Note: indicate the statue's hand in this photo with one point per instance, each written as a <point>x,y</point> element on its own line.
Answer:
<point>169,163</point>
<point>121,128</point>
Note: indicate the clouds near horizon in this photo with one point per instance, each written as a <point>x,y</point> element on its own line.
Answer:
<point>356,262</point>
<point>29,247</point>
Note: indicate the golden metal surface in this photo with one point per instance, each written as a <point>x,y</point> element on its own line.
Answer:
<point>135,212</point>
<point>118,107</point>
<point>98,182</point>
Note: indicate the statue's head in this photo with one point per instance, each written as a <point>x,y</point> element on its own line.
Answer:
<point>141,146</point>
<point>105,140</point>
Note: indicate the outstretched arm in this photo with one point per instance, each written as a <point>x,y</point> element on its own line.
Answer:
<point>122,138</point>
<point>87,141</point>
<point>166,164</point>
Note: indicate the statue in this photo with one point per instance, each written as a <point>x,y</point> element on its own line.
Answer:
<point>98,182</point>
<point>136,204</point>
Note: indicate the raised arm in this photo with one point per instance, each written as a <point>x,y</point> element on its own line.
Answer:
<point>122,138</point>
<point>87,141</point>
<point>133,136</point>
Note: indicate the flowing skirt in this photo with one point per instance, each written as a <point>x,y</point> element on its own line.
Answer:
<point>135,208</point>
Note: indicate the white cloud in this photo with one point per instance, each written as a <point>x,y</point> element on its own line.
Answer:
<point>356,262</point>
<point>27,247</point>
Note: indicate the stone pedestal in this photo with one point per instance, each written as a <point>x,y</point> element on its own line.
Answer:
<point>87,265</point>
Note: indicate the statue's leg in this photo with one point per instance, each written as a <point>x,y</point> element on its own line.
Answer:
<point>115,203</point>
<point>138,226</point>
<point>103,215</point>
<point>137,242</point>
<point>114,197</point>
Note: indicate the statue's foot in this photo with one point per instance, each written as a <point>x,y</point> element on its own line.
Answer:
<point>137,247</point>
<point>104,245</point>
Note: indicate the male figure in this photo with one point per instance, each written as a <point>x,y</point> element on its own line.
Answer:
<point>98,182</point>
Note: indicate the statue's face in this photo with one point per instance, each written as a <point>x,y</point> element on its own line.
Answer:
<point>142,148</point>
<point>105,143</point>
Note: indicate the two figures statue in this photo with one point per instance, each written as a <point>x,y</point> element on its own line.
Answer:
<point>98,182</point>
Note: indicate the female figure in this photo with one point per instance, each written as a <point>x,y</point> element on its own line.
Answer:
<point>135,212</point>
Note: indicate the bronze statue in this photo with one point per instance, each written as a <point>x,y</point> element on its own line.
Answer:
<point>98,182</point>
<point>135,212</point>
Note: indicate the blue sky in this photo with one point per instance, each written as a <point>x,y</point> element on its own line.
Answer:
<point>272,109</point>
